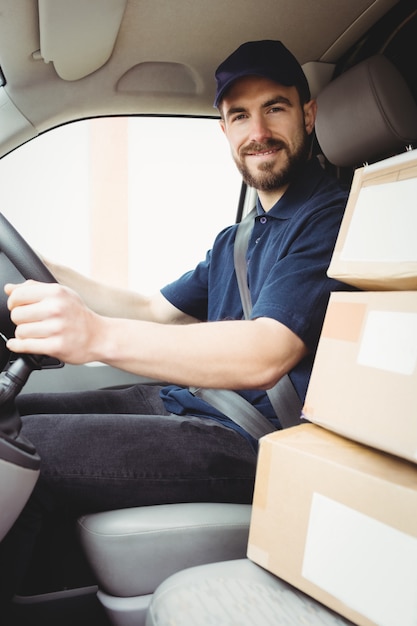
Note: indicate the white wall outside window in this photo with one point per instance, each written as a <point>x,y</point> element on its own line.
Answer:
<point>131,201</point>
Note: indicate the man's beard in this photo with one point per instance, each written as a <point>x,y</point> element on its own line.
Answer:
<point>265,178</point>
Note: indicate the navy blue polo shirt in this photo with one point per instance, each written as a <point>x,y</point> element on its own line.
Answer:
<point>288,255</point>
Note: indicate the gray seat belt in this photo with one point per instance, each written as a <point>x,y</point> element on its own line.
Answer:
<point>283,397</point>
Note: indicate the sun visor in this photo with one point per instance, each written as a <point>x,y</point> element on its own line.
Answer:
<point>78,37</point>
<point>160,78</point>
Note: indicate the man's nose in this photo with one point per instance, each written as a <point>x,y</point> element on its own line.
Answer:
<point>259,130</point>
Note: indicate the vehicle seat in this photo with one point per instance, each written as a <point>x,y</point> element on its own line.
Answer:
<point>234,592</point>
<point>133,550</point>
<point>364,114</point>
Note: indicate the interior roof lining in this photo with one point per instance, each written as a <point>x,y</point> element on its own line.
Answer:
<point>145,35</point>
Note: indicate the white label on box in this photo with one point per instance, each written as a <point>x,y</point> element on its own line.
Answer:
<point>369,566</point>
<point>389,342</point>
<point>383,227</point>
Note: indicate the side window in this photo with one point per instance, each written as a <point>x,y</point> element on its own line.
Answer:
<point>130,201</point>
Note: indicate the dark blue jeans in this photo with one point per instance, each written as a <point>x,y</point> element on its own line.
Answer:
<point>119,448</point>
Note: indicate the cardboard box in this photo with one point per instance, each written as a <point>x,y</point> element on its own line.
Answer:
<point>364,379</point>
<point>377,243</point>
<point>338,520</point>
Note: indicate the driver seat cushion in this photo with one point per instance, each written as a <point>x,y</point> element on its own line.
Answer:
<point>131,551</point>
<point>234,592</point>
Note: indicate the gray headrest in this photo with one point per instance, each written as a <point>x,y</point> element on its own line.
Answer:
<point>365,114</point>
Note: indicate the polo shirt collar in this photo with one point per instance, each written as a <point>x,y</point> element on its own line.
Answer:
<point>295,195</point>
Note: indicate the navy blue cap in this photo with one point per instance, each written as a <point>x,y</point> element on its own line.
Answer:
<point>267,58</point>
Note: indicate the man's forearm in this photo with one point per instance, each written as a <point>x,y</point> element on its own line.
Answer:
<point>101,298</point>
<point>52,319</point>
<point>230,354</point>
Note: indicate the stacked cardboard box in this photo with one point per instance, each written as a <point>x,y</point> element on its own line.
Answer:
<point>364,380</point>
<point>335,506</point>
<point>376,247</point>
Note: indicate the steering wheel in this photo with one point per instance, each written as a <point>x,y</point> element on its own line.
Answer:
<point>18,262</point>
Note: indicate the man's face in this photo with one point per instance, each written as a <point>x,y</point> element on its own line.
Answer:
<point>268,131</point>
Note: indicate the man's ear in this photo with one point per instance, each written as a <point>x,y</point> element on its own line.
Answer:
<point>222,125</point>
<point>310,112</point>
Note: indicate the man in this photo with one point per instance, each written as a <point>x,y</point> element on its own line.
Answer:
<point>150,444</point>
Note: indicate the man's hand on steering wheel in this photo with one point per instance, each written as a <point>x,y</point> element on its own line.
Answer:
<point>50,319</point>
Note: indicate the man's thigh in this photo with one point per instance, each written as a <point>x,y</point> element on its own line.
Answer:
<point>134,399</point>
<point>98,462</point>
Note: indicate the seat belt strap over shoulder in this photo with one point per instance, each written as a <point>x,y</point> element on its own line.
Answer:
<point>283,397</point>
<point>240,249</point>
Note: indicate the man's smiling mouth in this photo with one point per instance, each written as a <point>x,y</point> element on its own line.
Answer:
<point>263,152</point>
